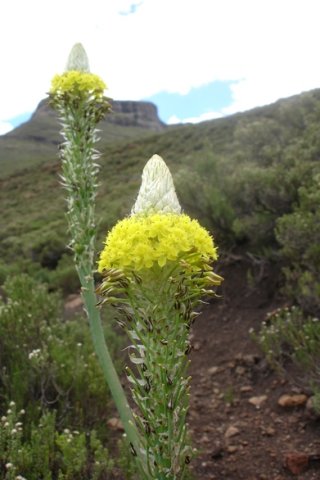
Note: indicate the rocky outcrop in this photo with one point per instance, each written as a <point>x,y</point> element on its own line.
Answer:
<point>43,125</point>
<point>137,114</point>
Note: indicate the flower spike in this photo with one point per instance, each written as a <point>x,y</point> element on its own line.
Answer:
<point>162,259</point>
<point>157,193</point>
<point>78,59</point>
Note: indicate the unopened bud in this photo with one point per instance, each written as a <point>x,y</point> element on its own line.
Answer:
<point>157,193</point>
<point>78,59</point>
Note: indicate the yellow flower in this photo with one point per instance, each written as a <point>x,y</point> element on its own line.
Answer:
<point>77,83</point>
<point>142,241</point>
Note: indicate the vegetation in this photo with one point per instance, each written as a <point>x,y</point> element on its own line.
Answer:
<point>252,179</point>
<point>288,340</point>
<point>45,453</point>
<point>53,398</point>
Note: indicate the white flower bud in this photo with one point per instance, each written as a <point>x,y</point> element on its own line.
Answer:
<point>78,59</point>
<point>157,193</point>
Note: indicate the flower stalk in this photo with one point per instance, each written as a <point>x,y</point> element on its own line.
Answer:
<point>156,267</point>
<point>78,97</point>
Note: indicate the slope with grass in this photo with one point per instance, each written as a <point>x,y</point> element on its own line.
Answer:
<point>251,178</point>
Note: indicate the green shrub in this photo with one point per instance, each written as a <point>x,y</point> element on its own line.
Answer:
<point>48,251</point>
<point>46,361</point>
<point>43,452</point>
<point>203,193</point>
<point>299,236</point>
<point>65,277</point>
<point>291,344</point>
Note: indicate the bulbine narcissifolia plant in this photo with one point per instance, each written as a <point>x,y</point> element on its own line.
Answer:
<point>78,97</point>
<point>156,266</point>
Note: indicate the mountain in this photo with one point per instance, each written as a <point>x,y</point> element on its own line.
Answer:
<point>36,140</point>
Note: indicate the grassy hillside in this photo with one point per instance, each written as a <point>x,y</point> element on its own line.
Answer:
<point>36,142</point>
<point>252,179</point>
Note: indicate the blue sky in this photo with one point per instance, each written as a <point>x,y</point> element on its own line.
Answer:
<point>196,59</point>
<point>203,102</point>
<point>16,121</point>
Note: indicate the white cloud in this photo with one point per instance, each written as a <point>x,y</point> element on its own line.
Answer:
<point>200,118</point>
<point>5,127</point>
<point>268,48</point>
<point>174,120</point>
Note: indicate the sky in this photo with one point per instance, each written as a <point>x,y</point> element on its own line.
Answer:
<point>195,59</point>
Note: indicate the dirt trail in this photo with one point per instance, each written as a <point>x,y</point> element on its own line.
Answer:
<point>238,427</point>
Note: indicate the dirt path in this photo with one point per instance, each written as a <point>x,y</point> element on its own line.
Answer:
<point>238,427</point>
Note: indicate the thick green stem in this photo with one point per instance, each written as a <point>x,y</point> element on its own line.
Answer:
<point>110,374</point>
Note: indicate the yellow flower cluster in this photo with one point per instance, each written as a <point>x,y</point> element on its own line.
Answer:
<point>139,242</point>
<point>77,82</point>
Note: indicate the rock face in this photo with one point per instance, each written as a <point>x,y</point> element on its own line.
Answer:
<point>138,114</point>
<point>43,125</point>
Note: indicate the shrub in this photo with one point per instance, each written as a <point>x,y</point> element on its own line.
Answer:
<point>48,251</point>
<point>291,343</point>
<point>42,452</point>
<point>299,236</point>
<point>46,361</point>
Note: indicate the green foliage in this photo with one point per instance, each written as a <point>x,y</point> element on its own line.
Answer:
<point>24,326</point>
<point>65,276</point>
<point>55,389</point>
<point>48,251</point>
<point>205,197</point>
<point>46,361</point>
<point>299,235</point>
<point>291,343</point>
<point>44,453</point>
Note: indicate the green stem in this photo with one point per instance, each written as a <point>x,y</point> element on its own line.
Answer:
<point>110,374</point>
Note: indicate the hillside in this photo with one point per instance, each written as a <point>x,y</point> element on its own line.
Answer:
<point>253,180</point>
<point>245,177</point>
<point>35,141</point>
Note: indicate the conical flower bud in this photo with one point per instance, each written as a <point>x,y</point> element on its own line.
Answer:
<point>157,193</point>
<point>78,59</point>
